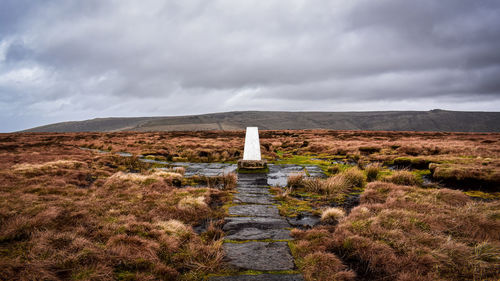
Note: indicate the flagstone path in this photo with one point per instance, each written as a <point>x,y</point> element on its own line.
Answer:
<point>256,235</point>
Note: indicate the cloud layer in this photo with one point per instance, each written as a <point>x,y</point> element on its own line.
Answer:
<point>68,60</point>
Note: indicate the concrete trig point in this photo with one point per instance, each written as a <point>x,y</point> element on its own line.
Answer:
<point>251,155</point>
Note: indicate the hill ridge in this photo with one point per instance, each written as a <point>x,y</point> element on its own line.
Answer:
<point>433,120</point>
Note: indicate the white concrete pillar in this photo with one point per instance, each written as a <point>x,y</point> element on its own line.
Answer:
<point>252,145</point>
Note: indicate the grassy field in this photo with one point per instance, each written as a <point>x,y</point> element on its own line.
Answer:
<point>395,205</point>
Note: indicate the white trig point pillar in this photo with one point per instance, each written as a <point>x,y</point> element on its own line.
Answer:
<point>251,153</point>
<point>252,144</point>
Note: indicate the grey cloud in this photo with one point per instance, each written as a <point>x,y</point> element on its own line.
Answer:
<point>65,60</point>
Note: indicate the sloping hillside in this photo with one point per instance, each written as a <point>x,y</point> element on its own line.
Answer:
<point>434,120</point>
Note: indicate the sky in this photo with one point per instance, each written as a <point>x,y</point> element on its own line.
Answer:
<point>63,60</point>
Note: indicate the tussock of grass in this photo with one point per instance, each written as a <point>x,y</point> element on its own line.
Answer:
<point>467,174</point>
<point>295,180</point>
<point>141,178</point>
<point>332,215</point>
<point>322,266</point>
<point>333,169</point>
<point>190,202</point>
<point>226,181</point>
<point>336,184</point>
<point>138,178</point>
<point>369,149</point>
<point>404,177</point>
<point>174,227</point>
<point>311,253</point>
<point>170,175</point>
<point>179,170</point>
<point>411,162</point>
<point>372,171</point>
<point>47,167</point>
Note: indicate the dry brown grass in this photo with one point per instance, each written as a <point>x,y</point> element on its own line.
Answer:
<point>48,167</point>
<point>412,233</point>
<point>332,215</point>
<point>228,146</point>
<point>314,259</point>
<point>89,219</point>
<point>336,184</point>
<point>323,266</point>
<point>190,202</point>
<point>295,180</point>
<point>146,178</point>
<point>226,181</point>
<point>62,217</point>
<point>424,234</point>
<point>372,171</point>
<point>403,177</point>
<point>485,174</point>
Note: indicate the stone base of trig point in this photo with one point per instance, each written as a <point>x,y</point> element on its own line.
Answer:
<point>252,164</point>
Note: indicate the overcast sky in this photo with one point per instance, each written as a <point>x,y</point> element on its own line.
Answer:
<point>64,60</point>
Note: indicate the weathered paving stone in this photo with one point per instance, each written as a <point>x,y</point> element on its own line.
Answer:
<point>237,223</point>
<point>254,179</point>
<point>254,211</point>
<point>252,190</point>
<point>252,199</point>
<point>260,277</point>
<point>259,255</point>
<point>304,221</point>
<point>252,233</point>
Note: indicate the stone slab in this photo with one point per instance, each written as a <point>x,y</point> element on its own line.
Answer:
<point>252,233</point>
<point>252,199</point>
<point>237,223</point>
<point>253,183</point>
<point>252,178</point>
<point>259,255</point>
<point>260,277</point>
<point>254,211</point>
<point>252,190</point>
<point>304,221</point>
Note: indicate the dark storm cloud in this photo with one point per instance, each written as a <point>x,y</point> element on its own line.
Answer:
<point>62,60</point>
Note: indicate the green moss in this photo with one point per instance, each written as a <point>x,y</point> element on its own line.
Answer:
<point>422,172</point>
<point>291,207</point>
<point>303,160</point>
<point>420,175</point>
<point>483,195</point>
<point>307,194</point>
<point>125,276</point>
<point>384,173</point>
<point>414,162</point>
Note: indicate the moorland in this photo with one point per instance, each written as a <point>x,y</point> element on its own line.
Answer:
<point>433,120</point>
<point>392,205</point>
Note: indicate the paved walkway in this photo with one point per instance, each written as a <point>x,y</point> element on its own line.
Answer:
<point>256,235</point>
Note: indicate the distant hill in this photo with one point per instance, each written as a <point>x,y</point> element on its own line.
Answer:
<point>434,120</point>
